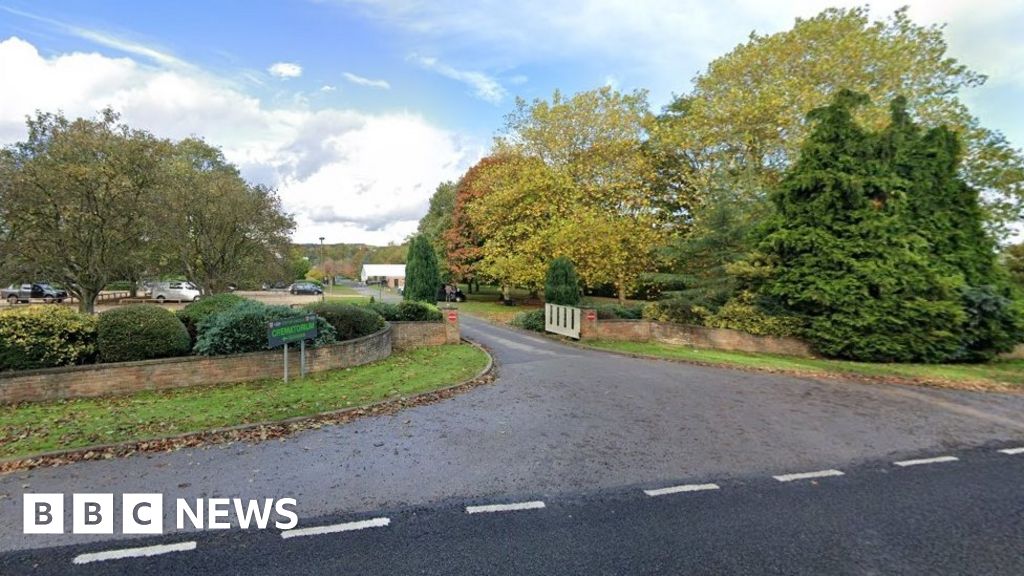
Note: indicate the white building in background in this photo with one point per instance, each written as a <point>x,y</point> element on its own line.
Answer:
<point>391,274</point>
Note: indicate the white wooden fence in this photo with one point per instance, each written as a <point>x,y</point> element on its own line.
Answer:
<point>564,320</point>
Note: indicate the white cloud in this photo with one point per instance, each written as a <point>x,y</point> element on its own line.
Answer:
<point>328,88</point>
<point>484,87</point>
<point>362,81</point>
<point>346,175</point>
<point>285,70</point>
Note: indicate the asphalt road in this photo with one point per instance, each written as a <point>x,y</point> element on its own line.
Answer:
<point>565,426</point>
<point>961,517</point>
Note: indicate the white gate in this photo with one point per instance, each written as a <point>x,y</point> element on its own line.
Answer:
<point>564,320</point>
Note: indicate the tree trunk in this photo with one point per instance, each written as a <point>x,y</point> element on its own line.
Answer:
<point>87,300</point>
<point>506,292</point>
<point>622,292</point>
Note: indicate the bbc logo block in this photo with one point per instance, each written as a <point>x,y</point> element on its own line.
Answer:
<point>93,514</point>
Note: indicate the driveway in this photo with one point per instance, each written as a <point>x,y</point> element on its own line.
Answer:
<point>558,421</point>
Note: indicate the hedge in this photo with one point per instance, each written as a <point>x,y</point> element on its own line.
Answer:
<point>243,328</point>
<point>45,337</point>
<point>140,332</point>
<point>347,320</point>
<point>407,311</point>
<point>532,320</point>
<point>203,308</point>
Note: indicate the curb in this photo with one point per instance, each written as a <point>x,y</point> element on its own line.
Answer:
<point>256,431</point>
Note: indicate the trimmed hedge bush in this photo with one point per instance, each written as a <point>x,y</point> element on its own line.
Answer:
<point>45,337</point>
<point>243,328</point>
<point>532,320</point>
<point>349,321</point>
<point>140,332</point>
<point>678,310</point>
<point>618,311</point>
<point>743,313</point>
<point>202,309</point>
<point>407,311</point>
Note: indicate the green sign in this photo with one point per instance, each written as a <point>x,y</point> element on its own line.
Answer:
<point>290,330</point>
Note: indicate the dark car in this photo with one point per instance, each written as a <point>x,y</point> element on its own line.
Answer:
<point>26,292</point>
<point>450,293</point>
<point>305,288</point>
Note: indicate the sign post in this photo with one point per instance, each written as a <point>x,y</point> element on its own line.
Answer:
<point>289,330</point>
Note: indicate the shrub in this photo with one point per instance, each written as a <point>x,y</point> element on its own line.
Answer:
<point>532,320</point>
<point>994,324</point>
<point>406,311</point>
<point>347,320</point>
<point>422,276</point>
<point>45,337</point>
<point>140,332</point>
<point>744,313</point>
<point>678,310</point>
<point>618,311</point>
<point>562,286</point>
<point>200,310</point>
<point>243,328</point>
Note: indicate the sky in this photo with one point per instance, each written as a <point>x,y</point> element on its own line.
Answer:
<point>355,110</point>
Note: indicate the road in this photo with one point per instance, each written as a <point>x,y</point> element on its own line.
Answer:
<point>585,432</point>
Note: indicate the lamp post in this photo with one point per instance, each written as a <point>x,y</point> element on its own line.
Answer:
<point>323,270</point>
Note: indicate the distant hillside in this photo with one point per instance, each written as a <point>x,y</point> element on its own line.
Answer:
<point>347,259</point>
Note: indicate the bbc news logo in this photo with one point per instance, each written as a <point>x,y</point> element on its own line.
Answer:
<point>144,513</point>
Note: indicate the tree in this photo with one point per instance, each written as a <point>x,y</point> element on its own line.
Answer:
<point>576,182</point>
<point>863,245</point>
<point>438,219</point>
<point>80,200</point>
<point>744,118</point>
<point>421,274</point>
<point>462,241</point>
<point>562,286</point>
<point>217,228</point>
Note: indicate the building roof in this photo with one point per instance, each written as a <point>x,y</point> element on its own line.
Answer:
<point>384,270</point>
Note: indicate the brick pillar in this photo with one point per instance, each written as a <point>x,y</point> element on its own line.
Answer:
<point>451,325</point>
<point>588,324</point>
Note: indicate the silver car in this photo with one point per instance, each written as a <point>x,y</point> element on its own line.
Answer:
<point>176,290</point>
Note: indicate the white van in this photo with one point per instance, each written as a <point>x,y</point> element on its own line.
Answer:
<point>176,290</point>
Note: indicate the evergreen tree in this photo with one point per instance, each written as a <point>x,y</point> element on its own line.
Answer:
<point>562,286</point>
<point>421,273</point>
<point>846,257</point>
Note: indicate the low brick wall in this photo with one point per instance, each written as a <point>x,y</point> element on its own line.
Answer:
<point>128,377</point>
<point>593,328</point>
<point>406,335</point>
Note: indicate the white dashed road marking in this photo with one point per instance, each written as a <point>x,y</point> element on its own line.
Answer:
<point>133,552</point>
<point>936,460</point>
<point>505,507</point>
<point>807,475</point>
<point>682,488</point>
<point>1012,451</point>
<point>332,528</point>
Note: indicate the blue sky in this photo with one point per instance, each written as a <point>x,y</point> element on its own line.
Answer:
<point>356,109</point>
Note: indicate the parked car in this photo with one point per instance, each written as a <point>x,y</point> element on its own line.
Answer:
<point>176,290</point>
<point>305,288</point>
<point>25,292</point>
<point>450,293</point>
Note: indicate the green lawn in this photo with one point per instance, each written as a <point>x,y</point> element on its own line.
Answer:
<point>997,374</point>
<point>346,294</point>
<point>32,428</point>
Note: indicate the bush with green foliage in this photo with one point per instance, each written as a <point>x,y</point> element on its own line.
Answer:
<point>562,285</point>
<point>994,324</point>
<point>845,248</point>
<point>45,337</point>
<point>243,328</point>
<point>678,310</point>
<point>349,321</point>
<point>744,313</point>
<point>140,332</point>
<point>201,309</point>
<point>406,311</point>
<point>618,311</point>
<point>422,276</point>
<point>532,320</point>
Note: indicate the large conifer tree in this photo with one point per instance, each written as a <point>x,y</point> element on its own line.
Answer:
<point>422,277</point>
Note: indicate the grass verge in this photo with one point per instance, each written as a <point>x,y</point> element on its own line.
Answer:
<point>996,375</point>
<point>28,429</point>
<point>492,311</point>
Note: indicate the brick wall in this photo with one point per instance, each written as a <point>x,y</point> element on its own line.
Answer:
<point>593,328</point>
<point>406,335</point>
<point>127,377</point>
